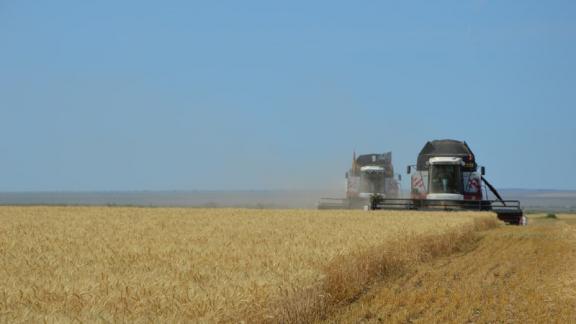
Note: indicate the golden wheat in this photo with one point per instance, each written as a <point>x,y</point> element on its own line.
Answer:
<point>175,265</point>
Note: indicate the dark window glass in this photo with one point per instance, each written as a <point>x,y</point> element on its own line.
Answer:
<point>372,181</point>
<point>445,179</point>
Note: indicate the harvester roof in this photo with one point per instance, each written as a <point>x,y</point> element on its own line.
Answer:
<point>384,159</point>
<point>446,148</point>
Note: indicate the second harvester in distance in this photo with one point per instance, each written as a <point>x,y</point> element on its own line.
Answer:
<point>370,175</point>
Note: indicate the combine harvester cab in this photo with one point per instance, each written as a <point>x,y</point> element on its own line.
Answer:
<point>446,177</point>
<point>370,175</point>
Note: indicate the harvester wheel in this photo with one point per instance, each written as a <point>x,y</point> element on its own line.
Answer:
<point>375,201</point>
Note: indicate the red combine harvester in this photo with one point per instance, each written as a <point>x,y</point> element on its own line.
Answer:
<point>446,177</point>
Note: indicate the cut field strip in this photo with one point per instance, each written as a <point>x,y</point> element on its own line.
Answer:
<point>514,274</point>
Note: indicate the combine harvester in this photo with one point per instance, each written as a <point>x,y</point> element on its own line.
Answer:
<point>446,177</point>
<point>371,175</point>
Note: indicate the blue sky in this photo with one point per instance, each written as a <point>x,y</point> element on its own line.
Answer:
<point>177,95</point>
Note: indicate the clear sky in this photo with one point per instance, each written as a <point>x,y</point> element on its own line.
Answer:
<point>178,95</point>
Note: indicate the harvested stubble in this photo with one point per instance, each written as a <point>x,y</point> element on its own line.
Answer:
<point>514,274</point>
<point>210,265</point>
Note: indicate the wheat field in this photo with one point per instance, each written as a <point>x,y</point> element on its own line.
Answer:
<point>111,264</point>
